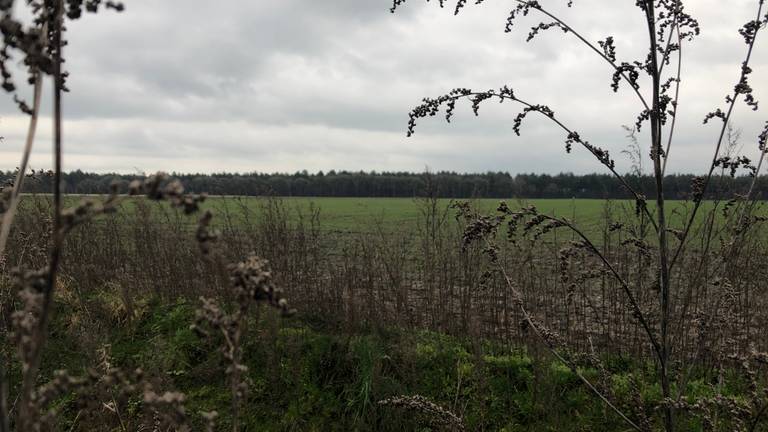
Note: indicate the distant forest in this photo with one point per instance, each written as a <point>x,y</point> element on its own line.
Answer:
<point>405,184</point>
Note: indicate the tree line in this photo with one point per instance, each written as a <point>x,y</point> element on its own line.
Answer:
<point>407,184</point>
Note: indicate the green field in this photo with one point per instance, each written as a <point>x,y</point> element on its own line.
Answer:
<point>363,214</point>
<point>369,214</point>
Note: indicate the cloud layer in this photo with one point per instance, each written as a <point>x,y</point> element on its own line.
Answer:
<point>187,85</point>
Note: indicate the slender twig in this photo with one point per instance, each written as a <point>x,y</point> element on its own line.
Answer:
<point>619,177</point>
<point>748,205</point>
<point>756,421</point>
<point>675,28</point>
<point>624,285</point>
<point>6,229</point>
<point>30,375</point>
<point>74,422</point>
<point>726,120</point>
<point>751,190</point>
<point>8,217</point>
<point>592,47</point>
<point>552,349</point>
<point>675,102</point>
<point>656,150</point>
<point>5,418</point>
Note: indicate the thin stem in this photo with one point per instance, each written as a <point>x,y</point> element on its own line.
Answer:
<point>526,316</point>
<point>656,150</point>
<point>719,144</point>
<point>675,28</point>
<point>8,217</point>
<point>593,48</point>
<point>757,175</point>
<point>30,375</point>
<point>624,285</point>
<point>675,103</point>
<point>5,420</point>
<point>613,171</point>
<point>5,231</point>
<point>729,253</point>
<point>756,420</point>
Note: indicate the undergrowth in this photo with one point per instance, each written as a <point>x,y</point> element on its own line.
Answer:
<point>304,377</point>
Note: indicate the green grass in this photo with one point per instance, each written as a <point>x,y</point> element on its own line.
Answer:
<point>365,214</point>
<point>369,214</point>
<point>360,214</point>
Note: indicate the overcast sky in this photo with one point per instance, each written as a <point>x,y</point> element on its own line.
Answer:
<point>286,85</point>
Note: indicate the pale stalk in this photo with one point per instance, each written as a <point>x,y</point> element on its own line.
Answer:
<point>9,215</point>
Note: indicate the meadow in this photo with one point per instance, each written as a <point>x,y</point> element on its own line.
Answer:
<point>354,215</point>
<point>391,300</point>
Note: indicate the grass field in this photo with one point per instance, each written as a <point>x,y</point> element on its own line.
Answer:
<point>364,214</point>
<point>369,214</point>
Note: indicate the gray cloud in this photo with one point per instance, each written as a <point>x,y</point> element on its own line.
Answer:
<point>300,84</point>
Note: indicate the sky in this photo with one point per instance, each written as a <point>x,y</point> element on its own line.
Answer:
<point>289,85</point>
